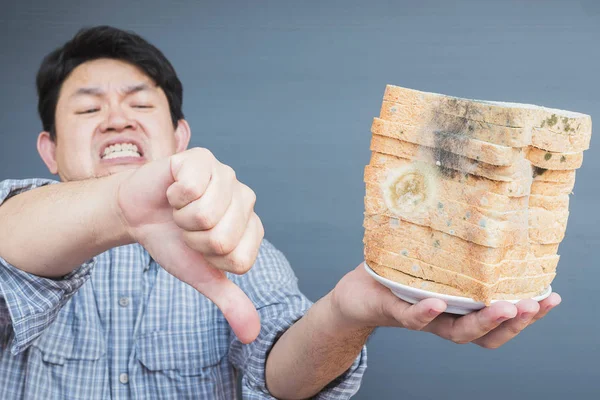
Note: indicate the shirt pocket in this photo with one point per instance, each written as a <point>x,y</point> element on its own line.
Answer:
<point>67,362</point>
<point>188,361</point>
<point>66,344</point>
<point>184,351</point>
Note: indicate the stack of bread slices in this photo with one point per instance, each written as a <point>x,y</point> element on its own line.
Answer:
<point>467,197</point>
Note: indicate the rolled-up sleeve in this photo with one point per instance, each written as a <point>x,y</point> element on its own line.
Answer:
<point>30,303</point>
<point>273,288</point>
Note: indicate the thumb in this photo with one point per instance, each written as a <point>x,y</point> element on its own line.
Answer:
<point>233,303</point>
<point>192,268</point>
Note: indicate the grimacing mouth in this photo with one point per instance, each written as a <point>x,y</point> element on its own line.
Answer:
<point>126,145</point>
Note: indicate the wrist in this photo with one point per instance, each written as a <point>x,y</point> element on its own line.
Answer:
<point>340,323</point>
<point>121,232</point>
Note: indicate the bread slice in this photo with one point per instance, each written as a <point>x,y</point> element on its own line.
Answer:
<point>517,171</point>
<point>545,188</point>
<point>409,280</point>
<point>456,143</point>
<point>546,139</point>
<point>558,203</point>
<point>555,161</point>
<point>548,175</point>
<point>447,259</point>
<point>508,188</point>
<point>423,108</point>
<point>452,189</point>
<point>439,122</point>
<point>540,217</point>
<point>444,207</point>
<point>392,226</point>
<point>479,291</point>
<point>547,227</point>
<point>385,225</point>
<point>501,237</point>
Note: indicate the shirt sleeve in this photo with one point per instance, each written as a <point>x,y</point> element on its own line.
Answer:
<point>30,303</point>
<point>273,288</point>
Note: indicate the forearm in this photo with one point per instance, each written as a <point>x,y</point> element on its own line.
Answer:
<point>313,352</point>
<point>51,230</point>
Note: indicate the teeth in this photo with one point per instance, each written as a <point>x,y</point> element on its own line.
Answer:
<point>121,147</point>
<point>121,153</point>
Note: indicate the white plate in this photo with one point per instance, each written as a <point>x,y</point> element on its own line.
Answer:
<point>456,304</point>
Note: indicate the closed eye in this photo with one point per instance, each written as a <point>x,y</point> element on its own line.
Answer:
<point>141,106</point>
<point>91,110</point>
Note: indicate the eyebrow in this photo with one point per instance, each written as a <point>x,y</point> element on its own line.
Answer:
<point>98,92</point>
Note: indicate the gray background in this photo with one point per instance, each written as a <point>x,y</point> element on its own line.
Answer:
<point>285,93</point>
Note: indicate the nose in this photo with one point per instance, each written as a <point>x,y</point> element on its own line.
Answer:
<point>116,121</point>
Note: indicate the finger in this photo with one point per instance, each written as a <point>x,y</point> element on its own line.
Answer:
<point>192,268</point>
<point>546,305</point>
<point>511,328</point>
<point>236,307</point>
<point>227,234</point>
<point>472,326</point>
<point>206,212</point>
<point>192,171</point>
<point>240,260</point>
<point>415,316</point>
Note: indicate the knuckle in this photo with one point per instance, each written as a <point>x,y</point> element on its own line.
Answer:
<point>261,229</point>
<point>220,244</point>
<point>251,195</point>
<point>229,172</point>
<point>456,339</point>
<point>202,152</point>
<point>189,191</point>
<point>414,325</point>
<point>240,264</point>
<point>513,330</point>
<point>205,220</point>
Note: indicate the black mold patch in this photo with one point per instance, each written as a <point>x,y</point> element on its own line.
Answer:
<point>537,171</point>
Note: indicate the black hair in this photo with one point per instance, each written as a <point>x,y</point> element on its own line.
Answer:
<point>104,42</point>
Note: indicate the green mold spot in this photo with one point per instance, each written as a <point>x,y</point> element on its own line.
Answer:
<point>436,244</point>
<point>547,156</point>
<point>552,120</point>
<point>440,205</point>
<point>563,158</point>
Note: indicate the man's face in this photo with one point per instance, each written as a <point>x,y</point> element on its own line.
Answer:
<point>110,117</point>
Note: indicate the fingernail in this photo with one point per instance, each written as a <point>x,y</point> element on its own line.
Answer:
<point>502,319</point>
<point>434,312</point>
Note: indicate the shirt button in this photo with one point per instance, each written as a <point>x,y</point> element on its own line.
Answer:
<point>123,378</point>
<point>124,301</point>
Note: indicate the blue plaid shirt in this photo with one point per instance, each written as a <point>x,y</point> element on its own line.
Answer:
<point>121,327</point>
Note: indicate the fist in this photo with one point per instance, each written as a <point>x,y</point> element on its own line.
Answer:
<point>197,221</point>
<point>215,211</point>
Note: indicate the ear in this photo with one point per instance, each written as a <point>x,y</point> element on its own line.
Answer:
<point>182,136</point>
<point>47,149</point>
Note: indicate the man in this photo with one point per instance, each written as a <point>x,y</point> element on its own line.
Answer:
<point>106,276</point>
